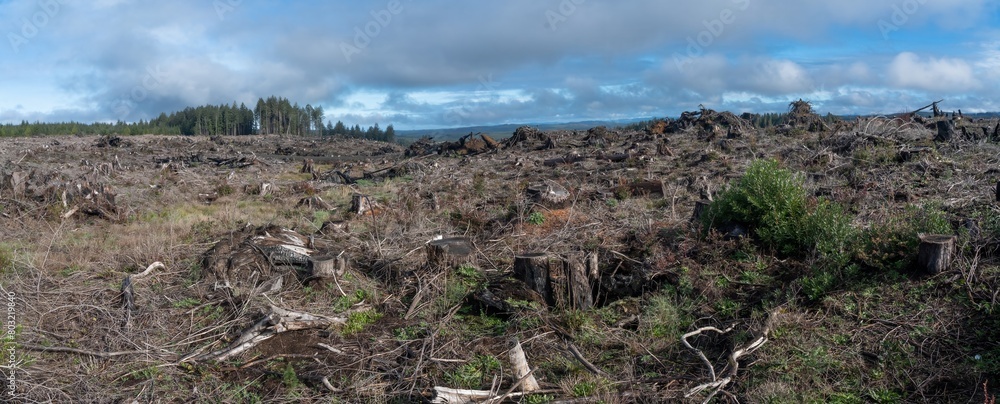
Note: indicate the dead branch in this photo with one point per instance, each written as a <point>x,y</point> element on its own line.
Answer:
<point>81,351</point>
<point>590,366</point>
<point>277,321</point>
<point>732,366</point>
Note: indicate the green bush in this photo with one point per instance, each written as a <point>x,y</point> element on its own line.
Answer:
<point>890,244</point>
<point>775,206</point>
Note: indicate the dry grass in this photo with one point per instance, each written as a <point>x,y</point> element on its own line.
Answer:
<point>869,336</point>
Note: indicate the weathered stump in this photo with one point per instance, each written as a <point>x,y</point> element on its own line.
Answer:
<point>945,131</point>
<point>449,253</point>
<point>330,267</point>
<point>307,166</point>
<point>533,269</point>
<point>551,195</point>
<point>934,253</point>
<point>564,282</point>
<point>362,204</point>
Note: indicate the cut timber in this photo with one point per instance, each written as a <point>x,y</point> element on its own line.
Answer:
<point>551,195</point>
<point>565,282</point>
<point>934,254</point>
<point>449,253</point>
<point>362,204</point>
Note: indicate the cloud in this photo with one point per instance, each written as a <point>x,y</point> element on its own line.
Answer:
<point>908,70</point>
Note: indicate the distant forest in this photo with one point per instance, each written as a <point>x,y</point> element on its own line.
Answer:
<point>274,115</point>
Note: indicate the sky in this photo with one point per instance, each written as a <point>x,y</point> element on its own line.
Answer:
<point>419,64</point>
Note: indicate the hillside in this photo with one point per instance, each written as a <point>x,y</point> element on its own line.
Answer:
<point>697,259</point>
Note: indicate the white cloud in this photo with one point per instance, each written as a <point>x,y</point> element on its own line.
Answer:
<point>908,70</point>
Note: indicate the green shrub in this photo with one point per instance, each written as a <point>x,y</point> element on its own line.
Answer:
<point>775,206</point>
<point>891,243</point>
<point>536,218</point>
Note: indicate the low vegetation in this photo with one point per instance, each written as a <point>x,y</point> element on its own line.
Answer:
<point>799,282</point>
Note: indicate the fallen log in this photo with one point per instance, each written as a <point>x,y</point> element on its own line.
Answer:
<point>277,321</point>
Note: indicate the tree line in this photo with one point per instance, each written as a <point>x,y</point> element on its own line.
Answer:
<point>274,115</point>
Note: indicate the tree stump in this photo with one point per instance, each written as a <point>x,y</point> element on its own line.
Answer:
<point>449,253</point>
<point>307,166</point>
<point>945,131</point>
<point>551,195</point>
<point>998,191</point>
<point>362,204</point>
<point>533,269</point>
<point>934,254</point>
<point>328,267</point>
<point>640,188</point>
<point>700,208</point>
<point>564,282</point>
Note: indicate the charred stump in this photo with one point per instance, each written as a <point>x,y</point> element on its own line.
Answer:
<point>934,254</point>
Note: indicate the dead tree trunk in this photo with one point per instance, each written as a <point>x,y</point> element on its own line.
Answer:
<point>945,131</point>
<point>934,254</point>
<point>564,282</point>
<point>450,253</point>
